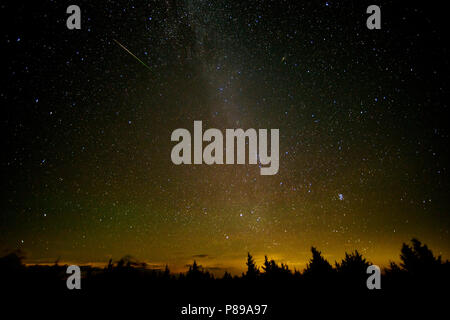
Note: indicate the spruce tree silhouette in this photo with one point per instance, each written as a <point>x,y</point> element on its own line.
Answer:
<point>272,271</point>
<point>166,274</point>
<point>352,270</point>
<point>418,270</point>
<point>193,272</point>
<point>418,259</point>
<point>318,264</point>
<point>196,274</point>
<point>319,271</point>
<point>252,270</point>
<point>110,265</point>
<point>227,276</point>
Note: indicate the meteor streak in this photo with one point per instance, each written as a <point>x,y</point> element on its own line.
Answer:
<point>124,48</point>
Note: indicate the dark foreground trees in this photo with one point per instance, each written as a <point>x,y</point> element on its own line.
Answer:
<point>418,268</point>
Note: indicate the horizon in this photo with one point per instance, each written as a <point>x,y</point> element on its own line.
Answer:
<point>219,268</point>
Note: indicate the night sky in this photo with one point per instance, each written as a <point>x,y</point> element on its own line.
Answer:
<point>86,167</point>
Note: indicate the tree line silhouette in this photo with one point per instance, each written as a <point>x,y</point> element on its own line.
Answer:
<point>418,268</point>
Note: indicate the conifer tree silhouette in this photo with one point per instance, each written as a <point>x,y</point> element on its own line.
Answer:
<point>418,268</point>
<point>252,270</point>
<point>418,259</point>
<point>196,273</point>
<point>353,270</point>
<point>318,264</point>
<point>353,263</point>
<point>318,271</point>
<point>227,276</point>
<point>273,271</point>
<point>110,265</point>
<point>166,274</point>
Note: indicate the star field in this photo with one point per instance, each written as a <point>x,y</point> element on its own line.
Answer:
<point>86,147</point>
